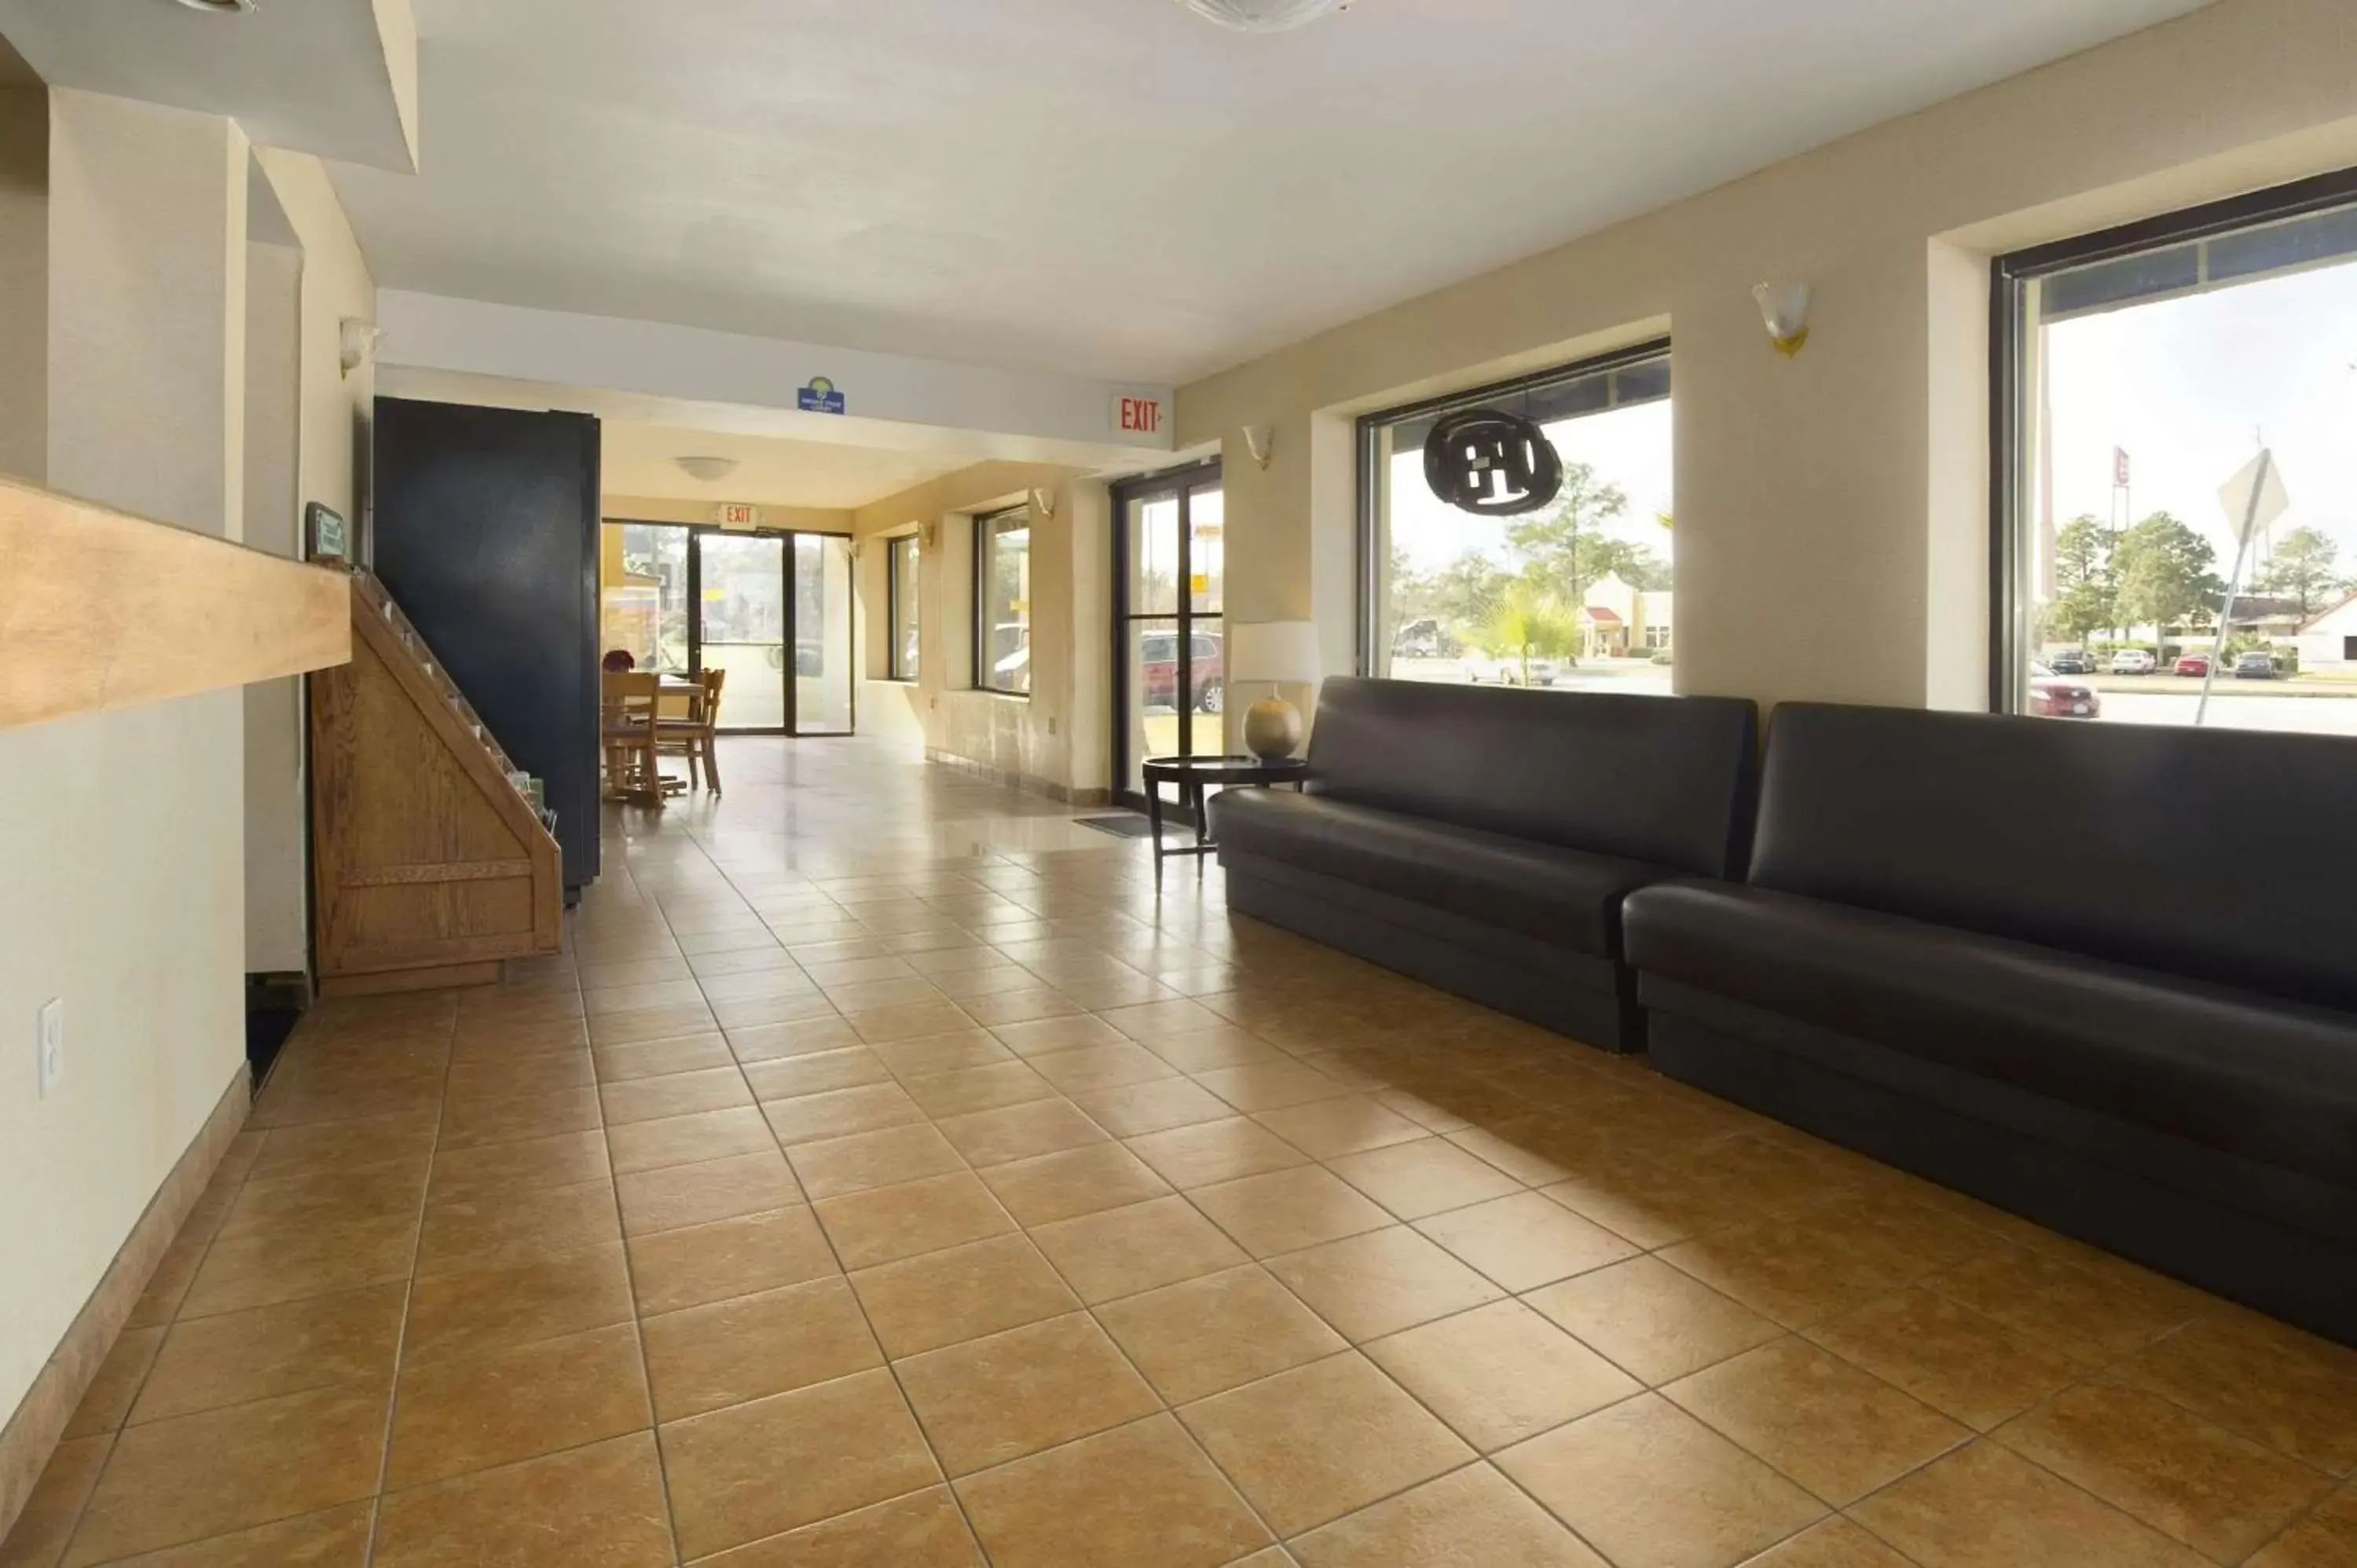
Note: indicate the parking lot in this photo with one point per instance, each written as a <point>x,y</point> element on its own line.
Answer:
<point>1638,676</point>
<point>2314,707</point>
<point>2313,704</point>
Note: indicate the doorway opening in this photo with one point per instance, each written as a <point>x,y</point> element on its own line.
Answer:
<point>773,610</point>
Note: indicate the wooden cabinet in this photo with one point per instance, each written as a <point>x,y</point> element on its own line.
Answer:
<point>430,865</point>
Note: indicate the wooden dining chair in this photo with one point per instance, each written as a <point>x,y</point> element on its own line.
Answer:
<point>629,725</point>
<point>696,736</point>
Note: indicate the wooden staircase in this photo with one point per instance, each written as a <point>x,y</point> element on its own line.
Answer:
<point>430,864</point>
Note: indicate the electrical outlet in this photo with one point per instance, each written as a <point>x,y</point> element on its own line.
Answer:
<point>51,1044</point>
<point>1051,726</point>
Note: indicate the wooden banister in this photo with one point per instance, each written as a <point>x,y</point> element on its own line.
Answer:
<point>101,610</point>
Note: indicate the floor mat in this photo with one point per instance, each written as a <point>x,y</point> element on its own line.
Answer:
<point>1132,826</point>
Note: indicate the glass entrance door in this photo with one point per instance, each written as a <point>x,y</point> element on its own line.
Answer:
<point>774,610</point>
<point>1170,561</point>
<point>741,609</point>
<point>823,635</point>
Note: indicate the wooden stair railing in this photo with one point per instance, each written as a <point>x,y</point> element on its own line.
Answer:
<point>431,866</point>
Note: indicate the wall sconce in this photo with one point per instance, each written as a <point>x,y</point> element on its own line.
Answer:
<point>1260,440</point>
<point>1044,503</point>
<point>357,342</point>
<point>1785,308</point>
<point>928,534</point>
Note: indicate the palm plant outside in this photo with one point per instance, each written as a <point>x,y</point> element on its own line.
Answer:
<point>1529,622</point>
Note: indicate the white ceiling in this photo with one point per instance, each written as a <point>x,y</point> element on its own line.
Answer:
<point>1109,187</point>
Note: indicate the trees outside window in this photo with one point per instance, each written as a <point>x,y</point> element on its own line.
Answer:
<point>2306,569</point>
<point>1585,583</point>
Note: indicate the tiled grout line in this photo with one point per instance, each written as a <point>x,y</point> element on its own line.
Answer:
<point>409,1293</point>
<point>630,1276</point>
<point>2299,1519</point>
<point>891,1368</point>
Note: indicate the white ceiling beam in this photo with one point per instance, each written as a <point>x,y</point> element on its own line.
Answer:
<point>884,395</point>
<point>336,78</point>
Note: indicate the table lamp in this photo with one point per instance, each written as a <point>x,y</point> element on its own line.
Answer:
<point>1279,652</point>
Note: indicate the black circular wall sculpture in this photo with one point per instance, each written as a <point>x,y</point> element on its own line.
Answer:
<point>1492,463</point>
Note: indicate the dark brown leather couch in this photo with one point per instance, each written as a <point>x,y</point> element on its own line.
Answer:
<point>1481,839</point>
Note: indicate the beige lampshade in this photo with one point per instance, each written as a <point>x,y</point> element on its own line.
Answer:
<point>1273,650</point>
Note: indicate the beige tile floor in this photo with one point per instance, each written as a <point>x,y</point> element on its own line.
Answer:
<point>889,1176</point>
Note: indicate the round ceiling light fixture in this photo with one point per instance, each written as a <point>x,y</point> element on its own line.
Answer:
<point>1265,15</point>
<point>710,470</point>
<point>220,7</point>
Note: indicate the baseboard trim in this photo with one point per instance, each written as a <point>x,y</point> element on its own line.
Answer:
<point>393,982</point>
<point>1025,782</point>
<point>32,1432</point>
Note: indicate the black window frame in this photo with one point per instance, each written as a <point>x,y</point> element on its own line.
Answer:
<point>1370,565</point>
<point>893,607</point>
<point>985,529</point>
<point>1181,483</point>
<point>2147,240</point>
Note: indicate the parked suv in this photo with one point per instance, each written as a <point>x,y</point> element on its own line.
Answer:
<point>1159,668</point>
<point>2074,661</point>
<point>2132,661</point>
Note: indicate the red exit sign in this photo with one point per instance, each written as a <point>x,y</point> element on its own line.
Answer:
<point>1137,416</point>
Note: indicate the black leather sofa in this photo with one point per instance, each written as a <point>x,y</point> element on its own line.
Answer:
<point>2103,976</point>
<point>1483,839</point>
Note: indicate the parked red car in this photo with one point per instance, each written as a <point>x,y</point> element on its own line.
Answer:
<point>1158,669</point>
<point>2193,664</point>
<point>2053,696</point>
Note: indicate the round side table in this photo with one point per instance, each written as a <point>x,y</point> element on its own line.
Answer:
<point>1192,775</point>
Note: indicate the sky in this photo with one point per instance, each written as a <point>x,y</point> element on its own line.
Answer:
<point>2186,385</point>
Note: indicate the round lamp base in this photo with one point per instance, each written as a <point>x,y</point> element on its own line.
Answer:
<point>1273,729</point>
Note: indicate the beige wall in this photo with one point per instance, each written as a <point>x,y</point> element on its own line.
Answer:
<point>124,836</point>
<point>1856,474</point>
<point>1054,740</point>
<point>121,834</point>
<point>23,281</point>
<point>336,284</point>
<point>326,422</point>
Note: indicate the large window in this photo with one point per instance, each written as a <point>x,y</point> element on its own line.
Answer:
<point>1002,602</point>
<point>1576,595</point>
<point>643,596</point>
<point>2140,374</point>
<point>902,590</point>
